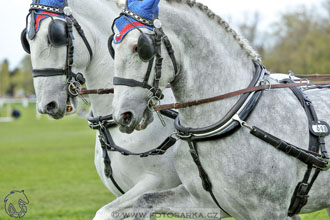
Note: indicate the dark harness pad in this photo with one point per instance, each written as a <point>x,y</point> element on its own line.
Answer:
<point>57,33</point>
<point>110,47</point>
<point>145,47</point>
<point>24,42</point>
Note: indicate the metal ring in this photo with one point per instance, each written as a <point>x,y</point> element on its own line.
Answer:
<point>305,80</point>
<point>291,75</point>
<point>153,102</point>
<point>71,90</point>
<point>266,81</point>
<point>183,136</point>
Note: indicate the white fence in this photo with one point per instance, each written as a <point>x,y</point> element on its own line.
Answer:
<point>24,101</point>
<point>8,101</point>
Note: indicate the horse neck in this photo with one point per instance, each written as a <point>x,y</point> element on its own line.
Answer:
<point>212,63</point>
<point>97,17</point>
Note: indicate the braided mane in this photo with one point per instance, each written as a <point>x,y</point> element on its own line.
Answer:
<point>240,39</point>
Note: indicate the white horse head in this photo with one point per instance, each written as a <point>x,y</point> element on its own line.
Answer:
<point>49,62</point>
<point>130,104</point>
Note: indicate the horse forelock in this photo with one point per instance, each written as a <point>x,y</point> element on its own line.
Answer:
<point>224,24</point>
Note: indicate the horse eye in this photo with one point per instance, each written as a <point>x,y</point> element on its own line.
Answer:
<point>134,48</point>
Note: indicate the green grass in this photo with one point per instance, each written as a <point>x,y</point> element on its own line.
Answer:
<point>53,162</point>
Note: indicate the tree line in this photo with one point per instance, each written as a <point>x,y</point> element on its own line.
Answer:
<point>17,82</point>
<point>299,41</point>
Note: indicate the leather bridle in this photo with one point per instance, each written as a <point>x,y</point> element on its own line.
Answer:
<point>74,80</point>
<point>159,37</point>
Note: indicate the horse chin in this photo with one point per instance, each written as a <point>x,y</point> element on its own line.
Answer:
<point>146,120</point>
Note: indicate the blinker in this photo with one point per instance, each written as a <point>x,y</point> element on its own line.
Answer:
<point>145,47</point>
<point>57,33</point>
<point>25,43</point>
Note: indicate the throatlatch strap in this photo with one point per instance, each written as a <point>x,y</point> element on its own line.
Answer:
<point>83,36</point>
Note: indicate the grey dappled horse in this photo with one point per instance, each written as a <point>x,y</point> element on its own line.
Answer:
<point>134,175</point>
<point>251,179</point>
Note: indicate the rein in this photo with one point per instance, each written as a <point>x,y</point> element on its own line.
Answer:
<point>235,93</point>
<point>85,91</point>
<point>96,91</point>
<point>314,76</point>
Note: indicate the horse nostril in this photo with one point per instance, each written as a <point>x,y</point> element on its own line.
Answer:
<point>127,118</point>
<point>51,106</point>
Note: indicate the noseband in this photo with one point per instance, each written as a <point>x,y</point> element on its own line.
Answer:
<point>149,50</point>
<point>60,33</point>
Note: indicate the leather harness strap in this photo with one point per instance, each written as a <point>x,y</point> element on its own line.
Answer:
<point>313,76</point>
<point>206,183</point>
<point>103,123</point>
<point>236,93</point>
<point>316,142</point>
<point>318,130</point>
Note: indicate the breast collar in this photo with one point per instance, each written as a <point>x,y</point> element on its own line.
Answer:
<point>228,124</point>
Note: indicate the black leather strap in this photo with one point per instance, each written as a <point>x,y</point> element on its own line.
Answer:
<point>316,142</point>
<point>207,185</point>
<point>170,52</point>
<point>107,161</point>
<point>47,72</point>
<point>289,149</point>
<point>300,195</point>
<point>99,123</point>
<point>83,36</point>
<point>129,82</point>
<point>147,76</point>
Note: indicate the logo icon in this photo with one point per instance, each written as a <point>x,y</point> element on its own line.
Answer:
<point>15,204</point>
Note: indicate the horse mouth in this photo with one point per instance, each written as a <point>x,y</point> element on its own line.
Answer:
<point>147,119</point>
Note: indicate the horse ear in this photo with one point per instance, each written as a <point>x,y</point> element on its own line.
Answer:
<point>130,1</point>
<point>151,5</point>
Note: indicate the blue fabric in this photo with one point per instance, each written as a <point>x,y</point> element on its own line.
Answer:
<point>121,23</point>
<point>53,3</point>
<point>146,9</point>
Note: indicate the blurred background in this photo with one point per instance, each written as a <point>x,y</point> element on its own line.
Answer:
<point>53,160</point>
